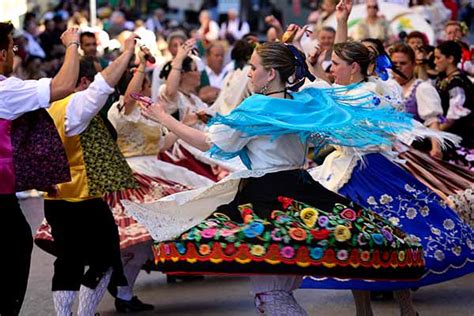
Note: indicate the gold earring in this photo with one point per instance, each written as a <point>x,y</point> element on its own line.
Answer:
<point>264,89</point>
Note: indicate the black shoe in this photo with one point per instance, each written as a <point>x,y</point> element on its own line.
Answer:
<point>134,305</point>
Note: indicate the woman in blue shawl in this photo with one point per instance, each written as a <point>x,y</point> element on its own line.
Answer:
<point>273,221</point>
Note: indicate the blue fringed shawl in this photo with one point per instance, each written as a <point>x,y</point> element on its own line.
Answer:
<point>318,116</point>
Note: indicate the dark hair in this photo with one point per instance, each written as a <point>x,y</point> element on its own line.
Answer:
<point>417,34</point>
<point>277,56</point>
<point>5,30</point>
<point>87,69</point>
<point>355,52</point>
<point>86,34</point>
<point>451,48</point>
<point>186,67</point>
<point>376,44</point>
<point>404,49</point>
<point>241,53</point>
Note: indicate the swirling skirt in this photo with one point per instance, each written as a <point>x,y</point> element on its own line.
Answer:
<point>310,231</point>
<point>388,190</point>
<point>453,183</point>
<point>130,231</point>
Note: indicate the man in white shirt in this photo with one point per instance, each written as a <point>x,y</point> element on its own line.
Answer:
<point>18,97</point>
<point>234,29</point>
<point>215,73</point>
<point>99,171</point>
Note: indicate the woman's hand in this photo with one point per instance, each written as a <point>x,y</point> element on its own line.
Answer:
<point>185,49</point>
<point>155,112</point>
<point>189,119</point>
<point>436,152</point>
<point>343,10</point>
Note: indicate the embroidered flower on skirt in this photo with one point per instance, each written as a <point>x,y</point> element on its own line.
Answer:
<point>344,241</point>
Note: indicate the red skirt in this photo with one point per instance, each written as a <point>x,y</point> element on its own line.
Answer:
<point>130,231</point>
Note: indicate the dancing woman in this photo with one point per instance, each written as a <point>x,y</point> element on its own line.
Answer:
<point>379,184</point>
<point>273,221</point>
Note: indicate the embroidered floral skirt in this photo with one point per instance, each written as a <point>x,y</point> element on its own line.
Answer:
<point>130,231</point>
<point>453,183</point>
<point>390,191</point>
<point>313,231</point>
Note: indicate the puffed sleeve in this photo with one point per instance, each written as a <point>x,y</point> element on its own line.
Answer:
<point>226,138</point>
<point>457,98</point>
<point>429,103</point>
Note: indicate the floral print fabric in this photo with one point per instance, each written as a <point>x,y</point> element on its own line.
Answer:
<point>388,190</point>
<point>297,239</point>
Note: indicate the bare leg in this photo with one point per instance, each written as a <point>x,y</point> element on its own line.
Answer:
<point>362,303</point>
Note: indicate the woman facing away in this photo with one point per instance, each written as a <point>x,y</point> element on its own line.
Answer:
<point>370,178</point>
<point>273,221</point>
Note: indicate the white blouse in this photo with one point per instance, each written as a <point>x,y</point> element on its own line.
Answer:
<point>182,103</point>
<point>427,100</point>
<point>284,153</point>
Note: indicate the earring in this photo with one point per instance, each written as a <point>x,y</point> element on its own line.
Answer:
<point>264,89</point>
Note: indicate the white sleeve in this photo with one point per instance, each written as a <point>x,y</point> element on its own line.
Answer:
<point>429,103</point>
<point>227,138</point>
<point>457,98</point>
<point>20,96</point>
<point>156,82</point>
<point>244,30</point>
<point>84,105</point>
<point>171,105</point>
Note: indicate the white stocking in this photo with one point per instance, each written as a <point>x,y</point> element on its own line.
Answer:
<point>274,295</point>
<point>89,298</point>
<point>63,301</point>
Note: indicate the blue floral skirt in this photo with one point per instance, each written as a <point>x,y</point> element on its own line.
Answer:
<point>388,190</point>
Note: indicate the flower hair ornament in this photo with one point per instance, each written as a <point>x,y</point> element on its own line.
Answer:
<point>301,69</point>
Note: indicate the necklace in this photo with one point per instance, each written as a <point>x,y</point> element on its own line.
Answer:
<point>275,92</point>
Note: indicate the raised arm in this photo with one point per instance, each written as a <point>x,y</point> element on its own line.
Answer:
<point>65,80</point>
<point>114,71</point>
<point>135,85</point>
<point>192,136</point>
<point>343,10</point>
<point>174,77</point>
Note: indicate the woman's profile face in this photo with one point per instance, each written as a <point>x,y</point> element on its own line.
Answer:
<point>258,74</point>
<point>441,61</point>
<point>340,70</point>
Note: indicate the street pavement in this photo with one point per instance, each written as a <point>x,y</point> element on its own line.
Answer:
<point>231,295</point>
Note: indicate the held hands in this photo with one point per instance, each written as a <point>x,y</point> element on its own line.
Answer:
<point>129,44</point>
<point>185,49</point>
<point>155,112</point>
<point>294,33</point>
<point>70,36</point>
<point>343,10</point>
